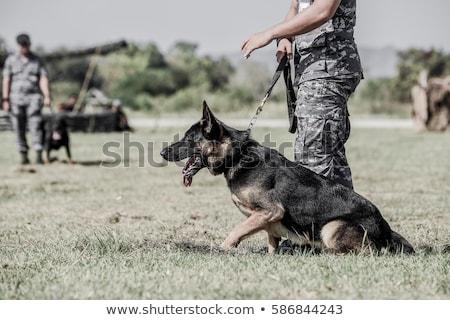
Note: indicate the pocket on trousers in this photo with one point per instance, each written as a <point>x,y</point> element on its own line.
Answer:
<point>309,144</point>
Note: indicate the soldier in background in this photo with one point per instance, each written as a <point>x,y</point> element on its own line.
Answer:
<point>69,105</point>
<point>121,119</point>
<point>25,81</point>
<point>328,70</point>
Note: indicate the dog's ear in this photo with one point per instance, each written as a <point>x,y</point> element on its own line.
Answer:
<point>210,125</point>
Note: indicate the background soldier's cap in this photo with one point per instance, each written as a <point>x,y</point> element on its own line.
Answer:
<point>23,39</point>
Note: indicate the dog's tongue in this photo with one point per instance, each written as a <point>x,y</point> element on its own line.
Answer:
<point>56,135</point>
<point>187,181</point>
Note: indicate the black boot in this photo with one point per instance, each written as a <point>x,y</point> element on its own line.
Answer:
<point>24,157</point>
<point>39,157</point>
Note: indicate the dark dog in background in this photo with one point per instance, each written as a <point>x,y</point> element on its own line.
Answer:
<point>280,196</point>
<point>56,135</point>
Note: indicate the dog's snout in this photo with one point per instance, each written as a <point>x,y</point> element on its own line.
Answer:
<point>174,152</point>
<point>169,154</point>
<point>164,153</point>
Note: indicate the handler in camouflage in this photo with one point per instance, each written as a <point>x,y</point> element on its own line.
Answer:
<point>328,69</point>
<point>25,80</point>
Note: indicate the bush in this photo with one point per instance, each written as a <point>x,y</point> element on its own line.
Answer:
<point>185,99</point>
<point>176,83</point>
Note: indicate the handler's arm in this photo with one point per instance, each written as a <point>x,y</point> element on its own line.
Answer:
<point>45,89</point>
<point>285,44</point>
<point>312,17</point>
<point>6,86</point>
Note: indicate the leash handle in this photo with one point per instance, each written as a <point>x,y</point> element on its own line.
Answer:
<point>291,99</point>
<point>276,76</point>
<point>52,109</point>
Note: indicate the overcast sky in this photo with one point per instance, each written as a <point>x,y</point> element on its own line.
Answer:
<point>217,26</point>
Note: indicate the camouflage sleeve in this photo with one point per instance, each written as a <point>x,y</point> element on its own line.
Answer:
<point>42,69</point>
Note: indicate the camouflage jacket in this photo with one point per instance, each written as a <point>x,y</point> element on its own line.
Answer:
<point>25,76</point>
<point>329,50</point>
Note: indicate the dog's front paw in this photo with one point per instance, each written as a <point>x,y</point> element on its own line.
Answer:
<point>228,245</point>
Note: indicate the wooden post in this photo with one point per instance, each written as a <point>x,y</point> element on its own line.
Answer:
<point>87,79</point>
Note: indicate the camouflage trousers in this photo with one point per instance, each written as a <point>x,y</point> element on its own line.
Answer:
<point>28,114</point>
<point>323,127</point>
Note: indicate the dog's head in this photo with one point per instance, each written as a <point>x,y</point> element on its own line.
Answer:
<point>206,144</point>
<point>56,127</point>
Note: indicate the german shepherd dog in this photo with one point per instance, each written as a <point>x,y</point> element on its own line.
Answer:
<point>279,196</point>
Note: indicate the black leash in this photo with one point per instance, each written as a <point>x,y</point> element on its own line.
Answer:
<point>291,99</point>
<point>285,68</point>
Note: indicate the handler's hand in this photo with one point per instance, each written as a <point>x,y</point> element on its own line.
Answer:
<point>6,106</point>
<point>284,47</point>
<point>256,41</point>
<point>47,102</point>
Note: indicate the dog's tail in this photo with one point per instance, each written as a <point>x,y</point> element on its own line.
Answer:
<point>398,244</point>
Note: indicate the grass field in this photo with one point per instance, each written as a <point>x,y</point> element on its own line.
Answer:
<point>91,232</point>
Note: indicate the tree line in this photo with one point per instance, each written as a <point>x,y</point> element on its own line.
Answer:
<point>145,78</point>
<point>385,94</point>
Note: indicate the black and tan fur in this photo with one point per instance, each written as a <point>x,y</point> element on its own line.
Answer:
<point>279,196</point>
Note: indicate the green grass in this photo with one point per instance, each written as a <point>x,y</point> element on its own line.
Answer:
<point>90,232</point>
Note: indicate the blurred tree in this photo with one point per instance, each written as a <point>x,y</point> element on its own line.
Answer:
<point>73,70</point>
<point>3,52</point>
<point>155,57</point>
<point>154,81</point>
<point>201,70</point>
<point>220,74</point>
<point>181,74</point>
<point>251,80</point>
<point>183,56</point>
<point>184,49</point>
<point>3,55</point>
<point>377,94</point>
